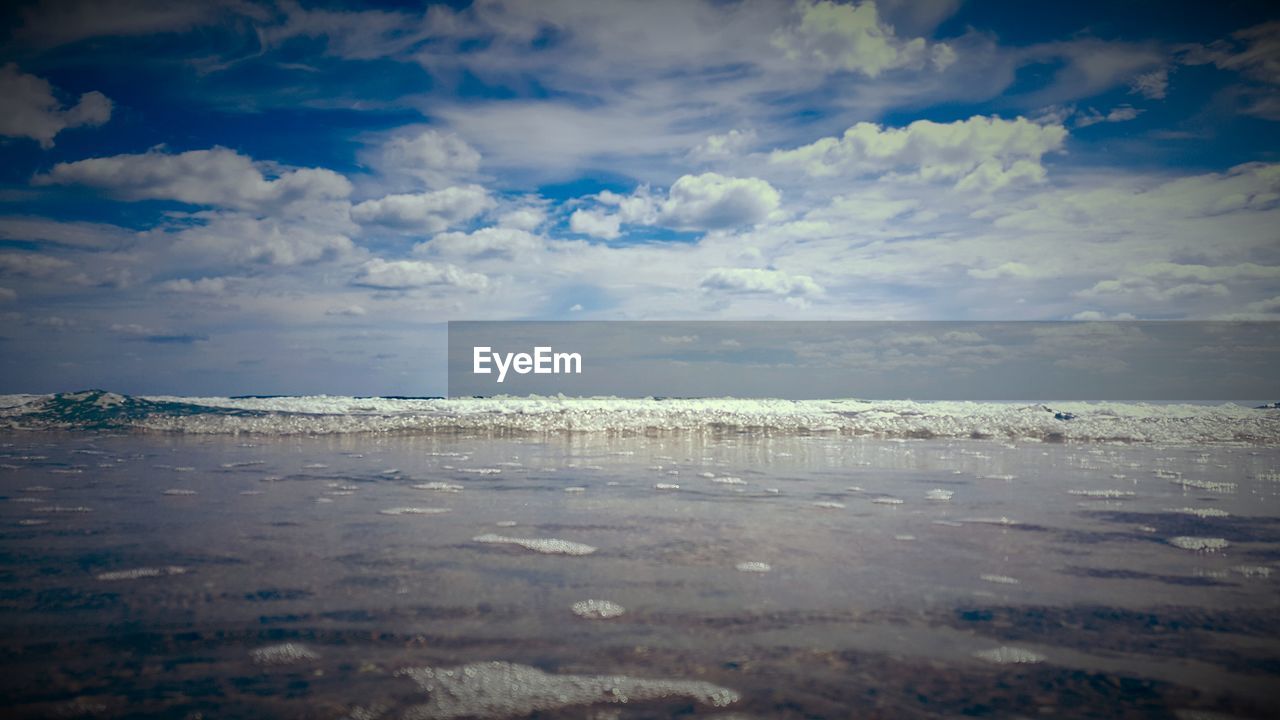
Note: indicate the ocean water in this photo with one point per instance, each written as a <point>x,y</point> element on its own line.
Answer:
<point>497,567</point>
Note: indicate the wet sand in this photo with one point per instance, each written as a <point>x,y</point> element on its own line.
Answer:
<point>154,575</point>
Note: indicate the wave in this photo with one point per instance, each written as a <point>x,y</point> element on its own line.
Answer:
<point>1064,422</point>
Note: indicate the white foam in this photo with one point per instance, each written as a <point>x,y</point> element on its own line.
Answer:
<point>438,487</point>
<point>597,609</point>
<point>1252,571</point>
<point>1005,655</point>
<point>1106,421</point>
<point>1110,494</point>
<point>1199,512</point>
<point>575,489</point>
<point>728,480</point>
<point>413,511</point>
<point>939,495</point>
<point>502,690</point>
<point>829,505</point>
<point>753,567</point>
<point>666,486</point>
<point>283,654</point>
<point>999,579</point>
<point>140,573</point>
<point>1199,544</point>
<point>549,546</point>
<point>179,491</point>
<point>886,501</point>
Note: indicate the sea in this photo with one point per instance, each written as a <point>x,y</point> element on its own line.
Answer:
<point>606,558</point>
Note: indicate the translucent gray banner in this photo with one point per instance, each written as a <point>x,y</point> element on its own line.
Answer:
<point>1028,361</point>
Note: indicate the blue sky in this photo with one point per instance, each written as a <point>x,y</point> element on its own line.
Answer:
<point>248,197</point>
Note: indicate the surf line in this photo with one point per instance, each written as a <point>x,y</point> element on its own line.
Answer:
<point>543,361</point>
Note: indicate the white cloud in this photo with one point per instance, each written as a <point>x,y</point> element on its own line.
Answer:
<point>201,286</point>
<point>428,212</point>
<point>1122,113</point>
<point>756,280</point>
<point>491,241</point>
<point>854,38</point>
<point>983,153</point>
<point>409,274</point>
<point>347,311</point>
<point>694,202</point>
<point>240,240</point>
<point>1008,270</point>
<point>1152,85</point>
<point>32,111</point>
<point>527,218</point>
<point>723,146</point>
<point>432,157</point>
<point>218,177</point>
<point>711,200</point>
<point>32,265</point>
<point>596,223</point>
<point>85,235</point>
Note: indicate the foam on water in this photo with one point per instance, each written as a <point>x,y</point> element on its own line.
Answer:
<point>413,511</point>
<point>283,654</point>
<point>939,495</point>
<point>1199,544</point>
<point>1199,512</point>
<point>753,567</point>
<point>140,573</point>
<point>597,609</point>
<point>548,546</point>
<point>1108,421</point>
<point>501,690</point>
<point>439,487</point>
<point>1006,655</point>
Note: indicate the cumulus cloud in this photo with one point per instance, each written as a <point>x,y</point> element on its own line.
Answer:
<point>723,146</point>
<point>432,157</point>
<point>694,202</point>
<point>596,223</point>
<point>32,111</point>
<point>218,177</point>
<point>410,274</point>
<point>528,218</point>
<point>427,212</point>
<point>490,241</point>
<point>982,153</point>
<point>757,280</point>
<point>855,39</point>
<point>239,240</point>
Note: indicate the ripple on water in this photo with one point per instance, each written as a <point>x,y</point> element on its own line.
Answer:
<point>548,546</point>
<point>500,690</point>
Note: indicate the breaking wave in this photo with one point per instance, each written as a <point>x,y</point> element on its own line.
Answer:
<point>1065,422</point>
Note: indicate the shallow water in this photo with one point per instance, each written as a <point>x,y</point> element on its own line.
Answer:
<point>177,576</point>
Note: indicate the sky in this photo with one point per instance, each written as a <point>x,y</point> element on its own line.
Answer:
<point>234,197</point>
